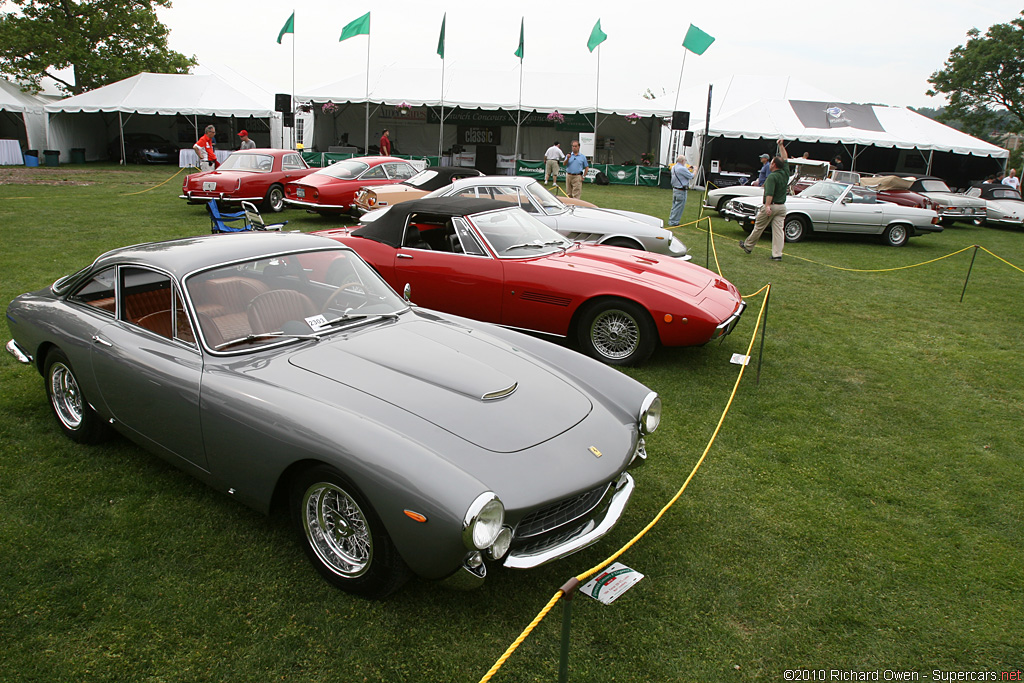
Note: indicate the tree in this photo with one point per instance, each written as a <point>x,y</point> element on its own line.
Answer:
<point>983,76</point>
<point>104,40</point>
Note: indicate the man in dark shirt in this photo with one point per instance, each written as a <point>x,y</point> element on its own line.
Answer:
<point>773,211</point>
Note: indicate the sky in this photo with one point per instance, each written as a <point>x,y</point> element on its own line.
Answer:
<point>871,51</point>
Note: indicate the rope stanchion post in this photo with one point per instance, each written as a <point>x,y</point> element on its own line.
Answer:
<point>764,332</point>
<point>568,591</point>
<point>969,269</point>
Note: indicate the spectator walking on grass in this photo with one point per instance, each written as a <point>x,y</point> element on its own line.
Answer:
<point>682,174</point>
<point>773,211</point>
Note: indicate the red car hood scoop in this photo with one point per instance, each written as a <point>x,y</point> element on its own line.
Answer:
<point>475,387</point>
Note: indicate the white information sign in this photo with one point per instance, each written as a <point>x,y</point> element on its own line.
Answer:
<point>316,322</point>
<point>587,144</point>
<point>739,359</point>
<point>609,584</point>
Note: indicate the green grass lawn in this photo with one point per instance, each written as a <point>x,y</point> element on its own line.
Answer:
<point>862,508</point>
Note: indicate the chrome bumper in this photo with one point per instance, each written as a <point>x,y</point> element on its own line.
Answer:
<point>588,534</point>
<point>18,352</point>
<point>730,322</point>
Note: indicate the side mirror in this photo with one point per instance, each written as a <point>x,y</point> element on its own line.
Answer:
<point>407,292</point>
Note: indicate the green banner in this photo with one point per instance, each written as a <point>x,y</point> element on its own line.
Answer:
<point>617,175</point>
<point>478,117</point>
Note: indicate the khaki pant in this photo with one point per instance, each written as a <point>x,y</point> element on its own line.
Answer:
<point>573,185</point>
<point>778,223</point>
<point>551,169</point>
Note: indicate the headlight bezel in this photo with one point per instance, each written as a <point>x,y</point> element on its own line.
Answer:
<point>483,521</point>
<point>649,417</point>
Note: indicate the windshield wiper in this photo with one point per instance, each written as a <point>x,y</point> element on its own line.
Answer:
<point>265,335</point>
<point>525,245</point>
<point>349,316</point>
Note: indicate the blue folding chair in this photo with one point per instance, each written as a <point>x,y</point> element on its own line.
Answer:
<point>220,222</point>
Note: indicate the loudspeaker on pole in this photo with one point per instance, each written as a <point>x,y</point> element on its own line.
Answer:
<point>283,102</point>
<point>680,120</point>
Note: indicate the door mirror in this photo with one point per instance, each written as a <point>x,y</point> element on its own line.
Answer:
<point>407,292</point>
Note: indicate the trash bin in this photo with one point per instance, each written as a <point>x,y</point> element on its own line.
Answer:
<point>52,157</point>
<point>31,158</point>
<point>78,155</point>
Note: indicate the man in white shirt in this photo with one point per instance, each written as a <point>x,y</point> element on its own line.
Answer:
<point>552,158</point>
<point>1012,180</point>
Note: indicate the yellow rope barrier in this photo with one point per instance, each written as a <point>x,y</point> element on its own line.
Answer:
<point>129,194</point>
<point>590,572</point>
<point>998,257</point>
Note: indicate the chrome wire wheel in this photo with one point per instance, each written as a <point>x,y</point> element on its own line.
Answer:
<point>66,396</point>
<point>337,530</point>
<point>615,334</point>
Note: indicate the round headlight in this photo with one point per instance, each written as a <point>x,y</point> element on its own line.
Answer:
<point>650,413</point>
<point>483,521</point>
<point>501,544</point>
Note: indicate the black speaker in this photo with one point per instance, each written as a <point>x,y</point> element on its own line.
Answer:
<point>282,102</point>
<point>680,120</point>
<point>688,138</point>
<point>288,119</point>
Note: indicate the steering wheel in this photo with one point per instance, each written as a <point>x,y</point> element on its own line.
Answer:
<point>355,288</point>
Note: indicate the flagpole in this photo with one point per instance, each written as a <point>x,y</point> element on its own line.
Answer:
<point>597,98</point>
<point>675,134</point>
<point>366,145</point>
<point>293,86</point>
<point>519,109</point>
<point>440,132</point>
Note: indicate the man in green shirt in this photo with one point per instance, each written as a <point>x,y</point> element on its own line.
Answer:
<point>773,211</point>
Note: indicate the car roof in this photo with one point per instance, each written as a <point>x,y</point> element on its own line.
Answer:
<point>390,227</point>
<point>182,256</point>
<point>264,150</point>
<point>519,181</point>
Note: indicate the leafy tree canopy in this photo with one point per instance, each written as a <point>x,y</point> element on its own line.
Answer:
<point>104,40</point>
<point>984,76</point>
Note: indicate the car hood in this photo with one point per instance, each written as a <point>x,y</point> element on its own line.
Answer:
<point>643,267</point>
<point>627,221</point>
<point>474,387</point>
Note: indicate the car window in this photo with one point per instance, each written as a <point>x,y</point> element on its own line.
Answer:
<point>549,203</point>
<point>470,244</point>
<point>293,162</point>
<point>344,170</point>
<point>402,171</point>
<point>259,163</point>
<point>421,178</point>
<point>513,233</point>
<point>150,300</point>
<point>375,173</point>
<point>98,292</point>
<point>934,186</point>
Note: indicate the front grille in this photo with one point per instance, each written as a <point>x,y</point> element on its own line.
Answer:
<point>559,514</point>
<point>740,208</point>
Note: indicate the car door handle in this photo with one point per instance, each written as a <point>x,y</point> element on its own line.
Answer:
<point>102,342</point>
<point>405,256</point>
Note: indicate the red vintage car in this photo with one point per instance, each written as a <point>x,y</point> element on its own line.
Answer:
<point>251,175</point>
<point>482,259</point>
<point>332,189</point>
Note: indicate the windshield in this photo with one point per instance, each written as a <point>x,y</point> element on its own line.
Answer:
<point>934,186</point>
<point>345,169</point>
<point>285,297</point>
<point>259,163</point>
<point>548,202</point>
<point>1008,193</point>
<point>421,178</point>
<point>824,190</point>
<point>512,233</point>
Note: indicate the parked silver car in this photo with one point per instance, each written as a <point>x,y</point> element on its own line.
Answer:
<point>828,206</point>
<point>579,223</point>
<point>951,205</point>
<point>281,368</point>
<point>801,170</point>
<point>1003,205</point>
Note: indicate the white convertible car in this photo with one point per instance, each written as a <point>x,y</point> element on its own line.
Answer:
<point>828,206</point>
<point>802,170</point>
<point>1003,205</point>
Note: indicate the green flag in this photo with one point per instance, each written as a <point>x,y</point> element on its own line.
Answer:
<point>597,36</point>
<point>519,50</point>
<point>696,41</point>
<point>289,27</point>
<point>440,40</point>
<point>359,27</point>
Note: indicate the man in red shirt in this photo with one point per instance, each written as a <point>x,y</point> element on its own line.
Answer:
<point>385,144</point>
<point>204,150</point>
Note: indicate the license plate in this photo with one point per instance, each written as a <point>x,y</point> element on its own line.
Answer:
<point>300,192</point>
<point>209,187</point>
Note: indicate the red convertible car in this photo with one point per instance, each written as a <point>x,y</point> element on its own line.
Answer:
<point>252,175</point>
<point>482,259</point>
<point>332,189</point>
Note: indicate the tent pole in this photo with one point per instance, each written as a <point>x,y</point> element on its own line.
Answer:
<point>853,161</point>
<point>120,126</point>
<point>931,156</point>
<point>705,167</point>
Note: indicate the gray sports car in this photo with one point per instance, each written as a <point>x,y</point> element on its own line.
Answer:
<point>614,227</point>
<point>829,206</point>
<point>279,368</point>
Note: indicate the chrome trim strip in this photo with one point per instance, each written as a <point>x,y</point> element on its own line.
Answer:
<point>501,393</point>
<point>730,322</point>
<point>597,528</point>
<point>313,205</point>
<point>18,353</point>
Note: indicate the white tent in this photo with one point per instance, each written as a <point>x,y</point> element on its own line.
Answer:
<point>92,119</point>
<point>21,118</point>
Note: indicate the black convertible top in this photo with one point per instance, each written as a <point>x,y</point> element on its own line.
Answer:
<point>389,228</point>
<point>445,176</point>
